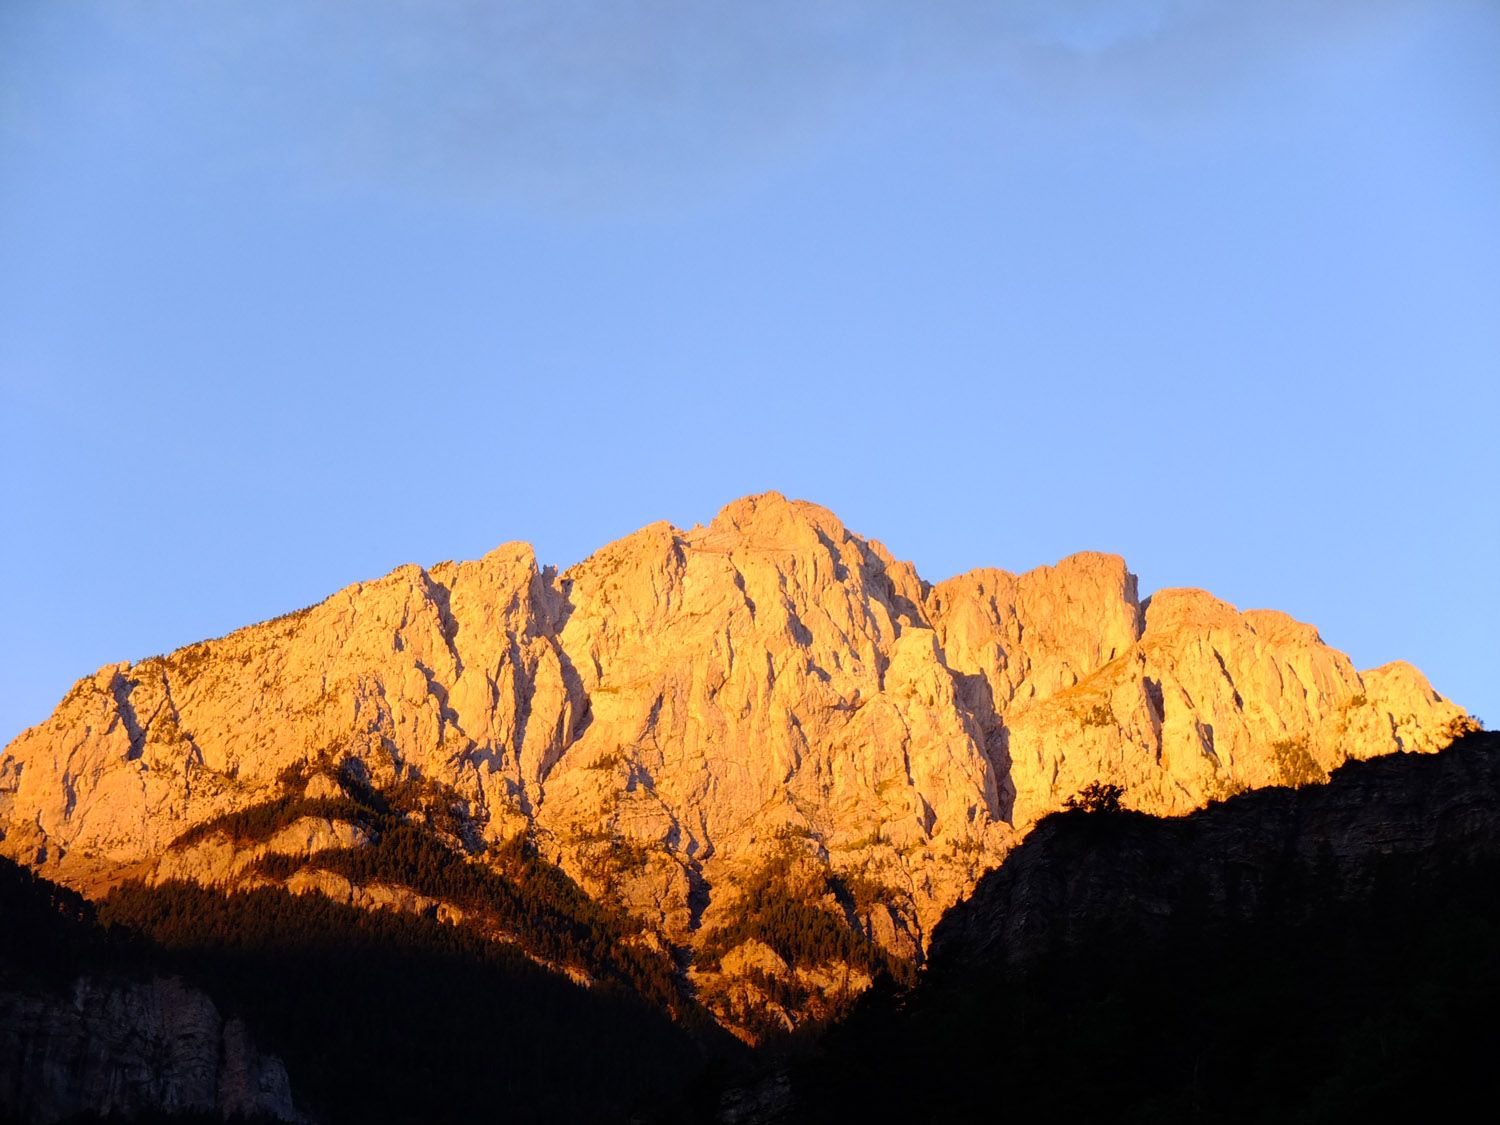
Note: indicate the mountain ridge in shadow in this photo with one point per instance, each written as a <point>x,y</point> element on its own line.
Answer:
<point>1310,954</point>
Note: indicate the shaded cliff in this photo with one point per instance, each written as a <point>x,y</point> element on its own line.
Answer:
<point>701,727</point>
<point>91,1022</point>
<point>1319,954</point>
<point>383,1014</point>
<point>388,1016</point>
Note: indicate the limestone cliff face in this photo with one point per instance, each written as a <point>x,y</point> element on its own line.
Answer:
<point>136,1048</point>
<point>704,697</point>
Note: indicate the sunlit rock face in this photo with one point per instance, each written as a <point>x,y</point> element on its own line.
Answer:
<point>698,701</point>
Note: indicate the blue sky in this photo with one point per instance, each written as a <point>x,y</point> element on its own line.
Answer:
<point>296,292</point>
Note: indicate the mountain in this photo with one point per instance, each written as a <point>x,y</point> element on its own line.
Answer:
<point>764,752</point>
<point>1320,954</point>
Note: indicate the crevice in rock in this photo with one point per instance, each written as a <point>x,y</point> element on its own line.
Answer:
<point>120,689</point>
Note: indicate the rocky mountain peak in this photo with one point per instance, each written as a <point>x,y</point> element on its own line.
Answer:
<point>771,517</point>
<point>685,711</point>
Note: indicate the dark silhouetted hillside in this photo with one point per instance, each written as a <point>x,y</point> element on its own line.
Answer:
<point>1328,953</point>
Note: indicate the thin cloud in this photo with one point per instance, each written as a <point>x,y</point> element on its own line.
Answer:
<point>587,102</point>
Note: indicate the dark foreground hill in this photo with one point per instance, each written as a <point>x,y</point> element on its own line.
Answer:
<point>1329,953</point>
<point>92,1021</point>
<point>155,1007</point>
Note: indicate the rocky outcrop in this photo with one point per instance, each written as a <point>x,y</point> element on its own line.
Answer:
<point>220,861</point>
<point>137,1048</point>
<point>669,712</point>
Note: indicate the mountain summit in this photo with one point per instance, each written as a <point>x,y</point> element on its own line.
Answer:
<point>702,726</point>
